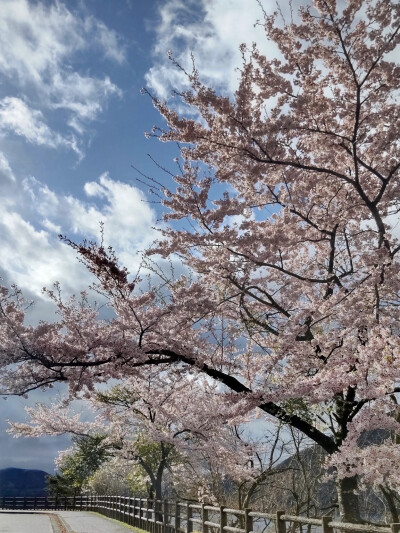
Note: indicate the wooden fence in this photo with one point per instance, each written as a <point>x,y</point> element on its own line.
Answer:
<point>78,503</point>
<point>163,516</point>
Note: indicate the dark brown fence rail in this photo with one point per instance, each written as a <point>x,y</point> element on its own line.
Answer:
<point>77,503</point>
<point>163,516</point>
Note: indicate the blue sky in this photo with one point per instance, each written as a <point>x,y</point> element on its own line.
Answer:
<point>72,122</point>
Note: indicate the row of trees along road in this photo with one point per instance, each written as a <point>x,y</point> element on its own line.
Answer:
<point>283,214</point>
<point>135,447</point>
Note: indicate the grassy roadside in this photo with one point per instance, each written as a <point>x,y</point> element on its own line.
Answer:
<point>130,528</point>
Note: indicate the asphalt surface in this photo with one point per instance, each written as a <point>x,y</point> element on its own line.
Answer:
<point>49,522</point>
<point>86,522</point>
<point>26,523</point>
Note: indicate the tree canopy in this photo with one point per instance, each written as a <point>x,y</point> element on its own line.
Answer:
<point>286,205</point>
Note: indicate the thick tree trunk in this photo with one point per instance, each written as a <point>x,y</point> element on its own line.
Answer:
<point>391,505</point>
<point>349,506</point>
<point>158,494</point>
<point>158,488</point>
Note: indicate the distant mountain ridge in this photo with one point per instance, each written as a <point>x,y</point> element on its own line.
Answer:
<point>22,482</point>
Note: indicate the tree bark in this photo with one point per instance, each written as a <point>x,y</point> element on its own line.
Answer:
<point>349,506</point>
<point>158,495</point>
<point>388,494</point>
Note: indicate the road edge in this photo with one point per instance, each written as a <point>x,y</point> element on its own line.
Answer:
<point>59,525</point>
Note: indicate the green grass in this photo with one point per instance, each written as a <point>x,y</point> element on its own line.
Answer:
<point>131,528</point>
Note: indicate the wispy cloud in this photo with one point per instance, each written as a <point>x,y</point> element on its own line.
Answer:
<point>212,30</point>
<point>18,118</point>
<point>82,96</point>
<point>38,44</point>
<point>108,41</point>
<point>37,37</point>
<point>5,169</point>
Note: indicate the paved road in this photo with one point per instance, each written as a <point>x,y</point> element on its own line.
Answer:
<point>25,523</point>
<point>49,522</point>
<point>86,522</point>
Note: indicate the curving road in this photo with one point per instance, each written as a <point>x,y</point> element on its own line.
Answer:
<point>58,522</point>
<point>87,522</point>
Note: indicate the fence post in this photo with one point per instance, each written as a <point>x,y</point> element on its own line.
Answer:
<point>177,517</point>
<point>146,514</point>
<point>189,515</point>
<point>222,519</point>
<point>395,527</point>
<point>280,525</point>
<point>248,520</point>
<point>325,525</point>
<point>136,524</point>
<point>204,518</point>
<point>130,511</point>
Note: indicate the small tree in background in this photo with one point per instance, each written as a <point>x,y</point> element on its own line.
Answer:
<point>77,464</point>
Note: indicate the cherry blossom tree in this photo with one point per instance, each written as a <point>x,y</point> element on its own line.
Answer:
<point>284,213</point>
<point>148,429</point>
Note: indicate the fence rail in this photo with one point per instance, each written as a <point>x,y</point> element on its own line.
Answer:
<point>164,516</point>
<point>70,503</point>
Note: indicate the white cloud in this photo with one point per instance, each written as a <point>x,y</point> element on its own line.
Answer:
<point>5,169</point>
<point>127,217</point>
<point>38,43</point>
<point>210,29</point>
<point>34,257</point>
<point>51,227</point>
<point>83,96</point>
<point>36,38</point>
<point>16,117</point>
<point>108,41</point>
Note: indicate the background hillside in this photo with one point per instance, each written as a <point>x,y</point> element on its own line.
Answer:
<point>21,482</point>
